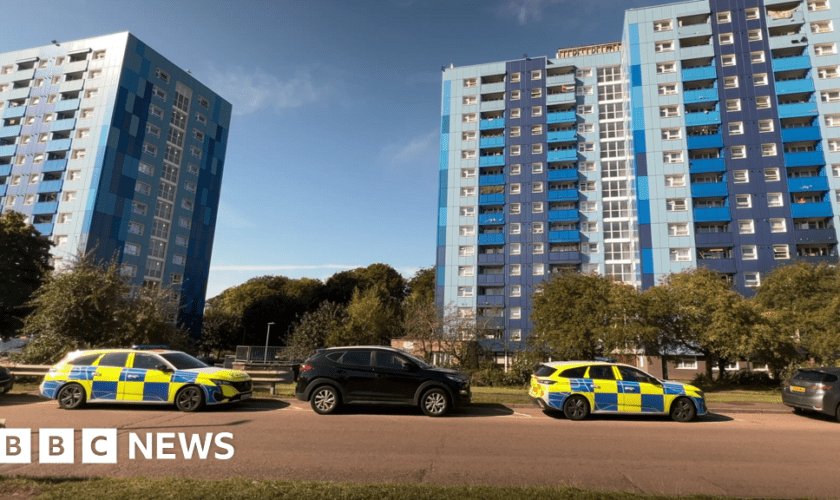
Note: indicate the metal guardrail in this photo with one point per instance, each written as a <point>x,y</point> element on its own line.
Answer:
<point>258,354</point>
<point>19,370</point>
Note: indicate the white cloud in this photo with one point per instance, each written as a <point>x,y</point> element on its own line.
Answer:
<point>233,218</point>
<point>523,10</point>
<point>418,149</point>
<point>256,89</point>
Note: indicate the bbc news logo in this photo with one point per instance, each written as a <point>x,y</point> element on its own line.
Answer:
<point>100,446</point>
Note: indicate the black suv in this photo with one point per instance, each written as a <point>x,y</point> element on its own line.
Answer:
<point>376,374</point>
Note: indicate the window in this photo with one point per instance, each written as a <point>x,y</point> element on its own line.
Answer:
<point>515,228</point>
<point>469,118</point>
<point>588,206</point>
<point>467,173</point>
<point>778,226</point>
<point>468,154</point>
<point>589,227</point>
<point>586,147</point>
<point>65,218</point>
<point>536,130</point>
<point>678,229</point>
<point>738,152</point>
<point>781,252</point>
<point>762,102</point>
<point>143,188</point>
<point>733,105</point>
<point>664,25</point>
<point>470,82</point>
<point>537,187</point>
<point>768,149</point>
<point>676,205</point>
<point>515,131</point>
<point>743,201</point>
<point>68,196</point>
<point>821,27</point>
<point>470,100</point>
<point>664,46</point>
<point>817,5</point>
<point>680,255</point>
<point>536,148</point>
<point>145,168</point>
<point>467,191</point>
<point>515,95</point>
<point>515,169</point>
<point>536,168</point>
<point>666,67</point>
<point>515,290</point>
<point>586,166</point>
<point>583,73</point>
<point>754,35</point>
<point>760,79</point>
<point>536,74</point>
<point>190,186</point>
<point>765,126</point>
<point>586,128</point>
<point>585,109</point>
<point>740,176</point>
<point>466,271</point>
<point>515,150</point>
<point>132,249</point>
<point>746,226</point>
<point>515,269</point>
<point>725,38</point>
<point>672,156</point>
<point>539,248</point>
<point>155,111</point>
<point>150,149</point>
<point>199,136</point>
<point>669,111</point>
<point>730,82</point>
<point>515,208</point>
<point>465,291</point>
<point>757,57</point>
<point>675,180</point>
<point>135,228</point>
<point>195,151</point>
<point>771,174</point>
<point>201,118</point>
<point>536,111</point>
<point>589,186</point>
<point>834,145</point>
<point>667,89</point>
<point>515,113</point>
<point>537,228</point>
<point>670,134</point>
<point>515,248</point>
<point>515,77</point>
<point>751,13</point>
<point>463,251</point>
<point>724,17</point>
<point>467,211</point>
<point>29,199</point>
<point>536,93</point>
<point>159,93</point>
<point>736,128</point>
<point>828,72</point>
<point>774,200</point>
<point>749,252</point>
<point>728,60</point>
<point>825,49</point>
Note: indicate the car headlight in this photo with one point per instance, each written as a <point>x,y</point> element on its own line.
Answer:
<point>222,382</point>
<point>457,378</point>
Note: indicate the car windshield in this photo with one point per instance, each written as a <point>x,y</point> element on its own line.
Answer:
<point>182,360</point>
<point>417,360</point>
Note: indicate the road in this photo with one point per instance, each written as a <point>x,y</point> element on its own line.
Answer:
<point>738,454</point>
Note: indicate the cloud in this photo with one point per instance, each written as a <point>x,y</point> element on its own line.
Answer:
<point>233,218</point>
<point>418,149</point>
<point>523,10</point>
<point>249,91</point>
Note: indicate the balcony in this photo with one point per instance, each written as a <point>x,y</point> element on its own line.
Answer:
<point>491,180</point>
<point>55,165</point>
<point>794,86</point>
<point>697,51</point>
<point>20,93</point>
<point>2,190</point>
<point>58,145</point>
<point>491,199</point>
<point>712,214</point>
<point>8,150</point>
<point>562,136</point>
<point>492,123</point>
<point>710,118</point>
<point>702,73</point>
<point>491,258</point>
<point>570,236</point>
<point>563,215</point>
<point>24,74</point>
<point>801,134</point>
<point>76,66</point>
<point>492,88</point>
<point>694,30</point>
<point>705,141</point>
<point>700,95</point>
<point>491,219</point>
<point>815,236</point>
<point>561,117</point>
<point>496,105</point>
<point>45,207</point>
<point>712,239</point>
<point>563,155</point>
<point>563,195</point>
<point>801,210</point>
<point>564,257</point>
<point>567,174</point>
<point>819,259</point>
<point>786,41</point>
<point>60,125</point>
<point>50,186</point>
<point>10,131</point>
<point>68,104</point>
<point>15,112</point>
<point>798,109</point>
<point>44,229</point>
<point>492,142</point>
<point>6,169</point>
<point>805,159</point>
<point>491,239</point>
<point>567,79</point>
<point>789,63</point>
<point>777,20</point>
<point>491,161</point>
<point>491,279</point>
<point>490,300</point>
<point>726,266</point>
<point>560,98</point>
<point>709,189</point>
<point>807,184</point>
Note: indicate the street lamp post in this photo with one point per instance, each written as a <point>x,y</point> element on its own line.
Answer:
<point>265,354</point>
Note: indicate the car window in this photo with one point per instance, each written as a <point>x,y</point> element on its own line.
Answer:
<point>335,355</point>
<point>633,375</point>
<point>390,360</point>
<point>85,360</point>
<point>114,359</point>
<point>182,360</point>
<point>814,376</point>
<point>579,372</point>
<point>601,372</point>
<point>357,358</point>
<point>544,371</point>
<point>146,361</point>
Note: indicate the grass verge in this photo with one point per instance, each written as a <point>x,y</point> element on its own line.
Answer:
<point>234,489</point>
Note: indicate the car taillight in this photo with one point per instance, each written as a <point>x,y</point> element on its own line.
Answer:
<point>303,368</point>
<point>820,387</point>
<point>547,382</point>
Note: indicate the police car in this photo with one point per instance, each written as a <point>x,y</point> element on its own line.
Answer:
<point>578,388</point>
<point>157,376</point>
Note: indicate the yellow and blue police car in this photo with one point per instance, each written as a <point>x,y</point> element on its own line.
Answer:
<point>142,376</point>
<point>578,388</point>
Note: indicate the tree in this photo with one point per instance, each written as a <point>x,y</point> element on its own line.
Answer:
<point>422,285</point>
<point>25,261</point>
<point>314,327</point>
<point>581,316</point>
<point>340,287</point>
<point>218,332</point>
<point>374,318</point>
<point>93,305</point>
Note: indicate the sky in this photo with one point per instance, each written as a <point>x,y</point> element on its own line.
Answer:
<point>332,157</point>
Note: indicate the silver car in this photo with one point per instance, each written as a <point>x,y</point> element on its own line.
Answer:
<point>814,389</point>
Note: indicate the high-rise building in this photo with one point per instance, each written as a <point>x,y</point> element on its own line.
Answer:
<point>106,146</point>
<point>709,136</point>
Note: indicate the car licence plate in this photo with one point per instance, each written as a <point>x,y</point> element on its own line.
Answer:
<point>794,388</point>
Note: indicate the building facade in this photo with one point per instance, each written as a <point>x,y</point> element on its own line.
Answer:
<point>106,146</point>
<point>708,137</point>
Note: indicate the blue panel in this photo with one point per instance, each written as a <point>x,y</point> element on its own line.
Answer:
<point>642,188</point>
<point>636,75</point>
<point>709,189</point>
<point>491,199</point>
<point>491,161</point>
<point>705,141</point>
<point>58,145</point>
<point>10,131</point>
<point>806,159</point>
<point>155,391</point>
<point>794,86</point>
<point>645,236</point>
<point>566,174</point>
<point>562,136</point>
<point>565,257</point>
<point>6,169</point>
<point>486,219</point>
<point>8,150</point>
<point>491,239</point>
<point>492,142</point>
<point>710,118</point>
<point>808,184</point>
<point>653,403</point>
<point>606,401</point>
<point>647,260</point>
<point>44,229</point>
<point>563,195</point>
<point>801,134</point>
<point>15,112</point>
<point>563,236</point>
<point>712,214</point>
<point>815,236</point>
<point>50,186</point>
<point>68,104</point>
<point>103,390</point>
<point>822,209</point>
<point>54,165</point>
<point>491,180</point>
<point>2,190</point>
<point>707,165</point>
<point>441,216</point>
<point>641,164</point>
<point>492,124</point>
<point>563,215</point>
<point>720,265</point>
<point>562,117</point>
<point>563,155</point>
<point>789,63</point>
<point>712,239</point>
<point>644,212</point>
<point>704,73</point>
<point>701,95</point>
<point>798,109</point>
<point>639,141</point>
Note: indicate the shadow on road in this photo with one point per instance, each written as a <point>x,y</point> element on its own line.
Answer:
<point>472,410</point>
<point>633,417</point>
<point>250,405</point>
<point>20,399</point>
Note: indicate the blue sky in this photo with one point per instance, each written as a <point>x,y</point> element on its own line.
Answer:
<point>332,159</point>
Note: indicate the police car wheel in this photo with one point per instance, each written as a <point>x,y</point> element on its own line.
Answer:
<point>576,408</point>
<point>71,396</point>
<point>682,410</point>
<point>189,398</point>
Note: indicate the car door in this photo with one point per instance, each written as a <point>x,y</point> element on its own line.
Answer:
<point>605,387</point>
<point>355,370</point>
<point>639,391</point>
<point>106,378</point>
<point>397,378</point>
<point>144,380</point>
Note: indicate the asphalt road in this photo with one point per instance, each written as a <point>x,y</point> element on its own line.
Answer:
<point>739,454</point>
